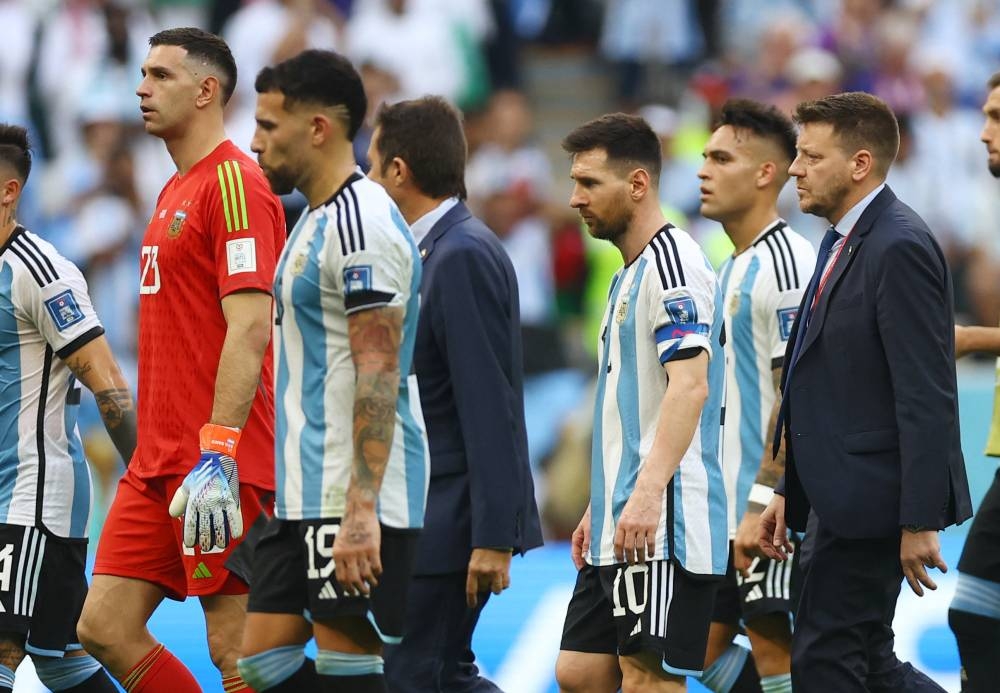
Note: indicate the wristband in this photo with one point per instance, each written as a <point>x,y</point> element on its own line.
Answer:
<point>218,438</point>
<point>759,493</point>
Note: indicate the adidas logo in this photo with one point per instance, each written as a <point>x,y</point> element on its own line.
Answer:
<point>635,631</point>
<point>201,572</point>
<point>327,591</point>
<point>754,594</point>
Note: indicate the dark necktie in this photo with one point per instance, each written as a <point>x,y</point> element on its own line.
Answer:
<point>825,248</point>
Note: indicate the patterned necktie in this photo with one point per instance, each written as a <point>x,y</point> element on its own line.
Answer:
<point>825,248</point>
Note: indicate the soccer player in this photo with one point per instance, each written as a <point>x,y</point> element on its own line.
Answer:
<point>50,339</point>
<point>745,168</point>
<point>467,356</point>
<point>974,615</point>
<point>351,462</point>
<point>205,383</point>
<point>652,546</point>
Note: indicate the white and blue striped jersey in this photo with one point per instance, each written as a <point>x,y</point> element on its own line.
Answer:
<point>762,288</point>
<point>353,253</point>
<point>660,307</point>
<point>45,316</point>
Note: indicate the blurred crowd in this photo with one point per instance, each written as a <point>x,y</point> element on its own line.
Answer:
<point>69,68</point>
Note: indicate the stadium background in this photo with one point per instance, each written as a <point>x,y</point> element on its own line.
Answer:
<point>525,72</point>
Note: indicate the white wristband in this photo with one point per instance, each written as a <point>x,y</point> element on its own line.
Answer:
<point>761,494</point>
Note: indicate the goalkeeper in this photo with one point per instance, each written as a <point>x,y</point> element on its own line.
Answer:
<point>205,401</point>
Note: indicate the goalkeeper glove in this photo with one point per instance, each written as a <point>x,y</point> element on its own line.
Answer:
<point>209,497</point>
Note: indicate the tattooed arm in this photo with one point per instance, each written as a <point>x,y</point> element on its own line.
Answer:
<point>94,366</point>
<point>374,336</point>
<point>745,541</point>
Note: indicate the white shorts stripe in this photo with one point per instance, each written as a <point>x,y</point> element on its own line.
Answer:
<point>654,593</point>
<point>19,574</point>
<point>769,579</point>
<point>667,585</point>
<point>37,574</point>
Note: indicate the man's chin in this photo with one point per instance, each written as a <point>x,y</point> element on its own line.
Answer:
<point>995,168</point>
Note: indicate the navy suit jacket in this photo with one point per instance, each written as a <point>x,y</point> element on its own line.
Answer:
<point>871,412</point>
<point>468,363</point>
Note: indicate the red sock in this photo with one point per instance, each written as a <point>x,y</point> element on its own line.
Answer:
<point>235,684</point>
<point>160,672</point>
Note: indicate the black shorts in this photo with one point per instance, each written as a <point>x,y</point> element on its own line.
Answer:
<point>981,553</point>
<point>43,584</point>
<point>649,607</point>
<point>770,589</point>
<point>293,573</point>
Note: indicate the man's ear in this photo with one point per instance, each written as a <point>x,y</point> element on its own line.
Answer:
<point>862,164</point>
<point>639,184</point>
<point>11,191</point>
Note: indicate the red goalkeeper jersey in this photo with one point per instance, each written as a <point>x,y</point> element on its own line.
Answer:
<point>215,230</point>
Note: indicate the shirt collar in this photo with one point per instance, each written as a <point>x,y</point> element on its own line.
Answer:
<point>848,221</point>
<point>422,226</point>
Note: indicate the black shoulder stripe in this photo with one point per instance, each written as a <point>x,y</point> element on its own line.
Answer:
<point>45,258</point>
<point>774,260</point>
<point>357,217</point>
<point>780,234</point>
<point>785,259</point>
<point>31,266</point>
<point>677,256</point>
<point>340,227</point>
<point>659,264</point>
<point>36,256</point>
<point>668,264</point>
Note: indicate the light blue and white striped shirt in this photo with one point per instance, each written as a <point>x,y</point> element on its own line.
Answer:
<point>761,288</point>
<point>353,253</point>
<point>45,316</point>
<point>663,303</point>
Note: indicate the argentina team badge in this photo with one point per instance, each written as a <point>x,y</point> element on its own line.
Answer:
<point>176,224</point>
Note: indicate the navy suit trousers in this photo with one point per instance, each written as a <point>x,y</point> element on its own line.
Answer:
<point>843,639</point>
<point>436,655</point>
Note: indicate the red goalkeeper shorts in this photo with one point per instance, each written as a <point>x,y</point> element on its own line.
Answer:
<point>140,540</point>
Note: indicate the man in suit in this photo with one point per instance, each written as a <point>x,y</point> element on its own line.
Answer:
<point>869,412</point>
<point>481,503</point>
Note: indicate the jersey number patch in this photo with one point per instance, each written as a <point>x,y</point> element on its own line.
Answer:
<point>149,282</point>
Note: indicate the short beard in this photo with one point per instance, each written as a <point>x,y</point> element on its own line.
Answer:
<point>613,228</point>
<point>282,180</point>
<point>995,169</point>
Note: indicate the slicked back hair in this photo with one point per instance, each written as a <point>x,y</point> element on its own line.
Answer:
<point>994,81</point>
<point>763,120</point>
<point>320,78</point>
<point>628,140</point>
<point>15,150</point>
<point>860,120</point>
<point>427,134</point>
<point>205,48</point>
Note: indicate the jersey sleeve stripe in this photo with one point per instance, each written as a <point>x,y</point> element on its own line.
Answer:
<point>340,226</point>
<point>659,265</point>
<point>677,257</point>
<point>32,268</point>
<point>242,196</point>
<point>664,255</point>
<point>357,217</point>
<point>783,239</point>
<point>225,197</point>
<point>25,238</point>
<point>233,200</point>
<point>774,261</point>
<point>784,261</point>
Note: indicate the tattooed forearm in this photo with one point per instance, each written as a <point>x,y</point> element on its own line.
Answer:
<point>118,413</point>
<point>771,469</point>
<point>80,368</point>
<point>375,336</point>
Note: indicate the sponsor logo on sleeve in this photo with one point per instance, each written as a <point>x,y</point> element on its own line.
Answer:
<point>64,309</point>
<point>357,278</point>
<point>241,254</point>
<point>786,318</point>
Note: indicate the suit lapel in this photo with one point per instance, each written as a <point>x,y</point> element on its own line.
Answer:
<point>453,216</point>
<point>851,250</point>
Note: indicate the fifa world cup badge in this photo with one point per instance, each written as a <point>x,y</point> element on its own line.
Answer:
<point>734,304</point>
<point>299,264</point>
<point>176,224</point>
<point>622,311</point>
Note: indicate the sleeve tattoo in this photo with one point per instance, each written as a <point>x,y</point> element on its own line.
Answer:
<point>374,336</point>
<point>116,406</point>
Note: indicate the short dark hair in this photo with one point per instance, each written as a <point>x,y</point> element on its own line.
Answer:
<point>427,134</point>
<point>994,81</point>
<point>763,120</point>
<point>860,120</point>
<point>318,77</point>
<point>15,150</point>
<point>627,139</point>
<point>205,47</point>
